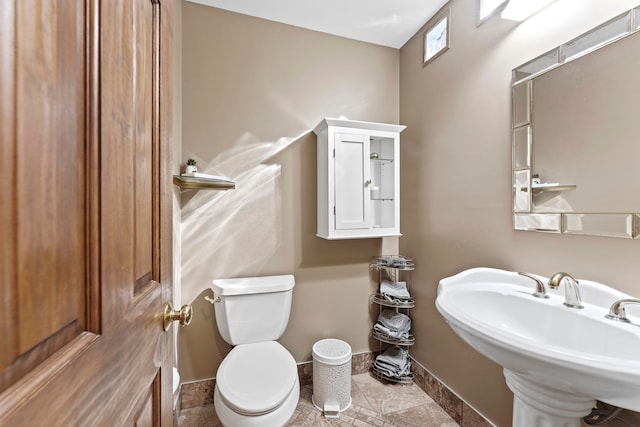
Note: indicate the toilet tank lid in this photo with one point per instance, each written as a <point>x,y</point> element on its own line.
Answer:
<point>253,285</point>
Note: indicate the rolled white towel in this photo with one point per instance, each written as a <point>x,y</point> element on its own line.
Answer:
<point>386,260</point>
<point>398,261</point>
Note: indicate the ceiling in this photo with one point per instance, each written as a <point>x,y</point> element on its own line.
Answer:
<point>385,22</point>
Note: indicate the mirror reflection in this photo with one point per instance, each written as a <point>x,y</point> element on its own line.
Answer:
<point>575,139</point>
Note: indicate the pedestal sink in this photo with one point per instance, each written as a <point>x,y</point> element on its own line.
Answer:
<point>557,360</point>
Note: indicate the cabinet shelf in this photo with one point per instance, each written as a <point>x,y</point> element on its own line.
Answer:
<point>202,183</point>
<point>394,341</point>
<point>543,188</point>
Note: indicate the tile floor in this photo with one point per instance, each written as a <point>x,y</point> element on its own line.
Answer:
<point>374,404</point>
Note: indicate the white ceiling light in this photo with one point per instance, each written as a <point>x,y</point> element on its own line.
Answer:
<point>519,10</point>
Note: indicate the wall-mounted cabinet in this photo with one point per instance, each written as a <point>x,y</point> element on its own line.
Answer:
<point>358,179</point>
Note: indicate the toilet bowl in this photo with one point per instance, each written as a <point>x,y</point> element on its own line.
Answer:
<point>257,383</point>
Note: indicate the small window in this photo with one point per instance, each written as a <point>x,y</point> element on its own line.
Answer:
<point>436,37</point>
<point>489,8</point>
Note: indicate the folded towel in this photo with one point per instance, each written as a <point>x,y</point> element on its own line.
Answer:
<point>394,320</point>
<point>393,291</point>
<point>393,324</point>
<point>393,261</point>
<point>394,362</point>
<point>398,261</point>
<point>391,333</point>
<point>394,356</point>
<point>393,372</point>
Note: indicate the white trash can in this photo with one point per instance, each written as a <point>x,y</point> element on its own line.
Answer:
<point>331,376</point>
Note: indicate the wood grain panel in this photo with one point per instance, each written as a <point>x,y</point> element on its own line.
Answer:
<point>8,302</point>
<point>117,154</point>
<point>45,140</point>
<point>163,232</point>
<point>145,419</point>
<point>105,382</point>
<point>145,81</point>
<point>93,166</point>
<point>149,415</point>
<point>50,189</point>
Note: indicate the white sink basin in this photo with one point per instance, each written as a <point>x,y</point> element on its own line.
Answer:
<point>557,360</point>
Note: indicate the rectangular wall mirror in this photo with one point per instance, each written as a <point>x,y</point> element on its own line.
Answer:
<point>575,140</point>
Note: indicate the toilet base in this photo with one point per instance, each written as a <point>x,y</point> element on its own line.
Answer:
<point>277,417</point>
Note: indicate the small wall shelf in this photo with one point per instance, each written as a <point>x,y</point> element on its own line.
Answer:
<point>201,183</point>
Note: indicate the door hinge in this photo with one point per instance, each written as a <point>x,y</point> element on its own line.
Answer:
<point>334,211</point>
<point>334,152</point>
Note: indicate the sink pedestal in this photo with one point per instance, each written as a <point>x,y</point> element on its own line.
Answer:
<point>536,405</point>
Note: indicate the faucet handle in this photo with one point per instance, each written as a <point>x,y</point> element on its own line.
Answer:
<point>617,311</point>
<point>540,292</point>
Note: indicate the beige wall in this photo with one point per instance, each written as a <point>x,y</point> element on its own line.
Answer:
<point>456,179</point>
<point>252,90</point>
<point>251,87</point>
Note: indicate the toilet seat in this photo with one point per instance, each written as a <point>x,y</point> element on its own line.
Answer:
<point>255,379</point>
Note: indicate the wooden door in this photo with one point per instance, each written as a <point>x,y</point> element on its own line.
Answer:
<point>85,196</point>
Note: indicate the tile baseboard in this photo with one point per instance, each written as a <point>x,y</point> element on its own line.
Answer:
<point>458,409</point>
<point>200,393</point>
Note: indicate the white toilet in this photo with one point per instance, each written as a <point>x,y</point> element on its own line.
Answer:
<point>257,382</point>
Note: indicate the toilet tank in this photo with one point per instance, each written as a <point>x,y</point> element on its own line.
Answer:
<point>253,309</point>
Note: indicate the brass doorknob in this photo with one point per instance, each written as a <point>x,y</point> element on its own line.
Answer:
<point>184,315</point>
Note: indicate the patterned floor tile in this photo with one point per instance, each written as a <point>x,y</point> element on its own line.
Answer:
<point>374,404</point>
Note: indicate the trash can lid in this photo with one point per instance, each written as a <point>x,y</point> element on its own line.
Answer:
<point>331,351</point>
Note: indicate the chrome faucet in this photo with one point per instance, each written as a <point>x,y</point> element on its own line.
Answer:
<point>572,296</point>
<point>540,290</point>
<point>617,312</point>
